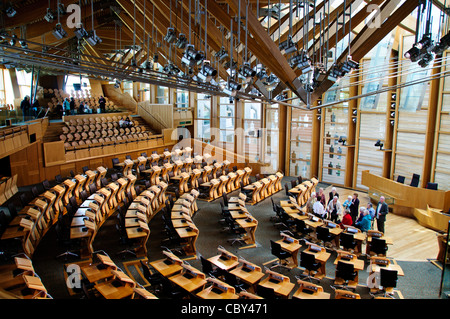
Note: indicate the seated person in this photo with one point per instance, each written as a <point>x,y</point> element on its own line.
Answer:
<point>334,209</point>
<point>347,219</point>
<point>122,123</point>
<point>365,221</point>
<point>129,122</point>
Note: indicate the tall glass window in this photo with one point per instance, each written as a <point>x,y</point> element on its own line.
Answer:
<point>203,117</point>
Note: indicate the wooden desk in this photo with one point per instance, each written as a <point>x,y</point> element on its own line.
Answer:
<point>225,260</point>
<point>321,256</point>
<point>97,272</point>
<point>168,266</point>
<point>191,234</point>
<point>34,283</point>
<point>114,289</point>
<point>190,279</point>
<point>279,283</point>
<point>307,290</point>
<point>141,292</point>
<point>142,232</point>
<point>349,258</point>
<point>218,290</point>
<point>250,226</point>
<point>292,246</point>
<point>235,214</point>
<point>249,273</point>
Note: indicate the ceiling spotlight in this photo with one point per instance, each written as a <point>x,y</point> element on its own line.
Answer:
<point>49,16</point>
<point>301,61</point>
<point>171,69</point>
<point>10,12</point>
<point>170,35</point>
<point>23,44</point>
<point>207,72</point>
<point>80,32</point>
<point>246,72</point>
<point>13,40</point>
<point>271,79</point>
<point>59,32</point>
<point>260,71</point>
<point>442,45</point>
<point>288,46</point>
<point>190,56</point>
<point>426,59</point>
<point>335,73</point>
<point>181,42</point>
<point>420,49</point>
<point>147,65</point>
<point>221,54</point>
<point>93,39</point>
<point>342,139</point>
<point>380,144</point>
<point>232,87</point>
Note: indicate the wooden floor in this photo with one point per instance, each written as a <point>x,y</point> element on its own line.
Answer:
<point>412,242</point>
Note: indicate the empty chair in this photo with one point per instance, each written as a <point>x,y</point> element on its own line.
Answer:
<point>388,280</point>
<point>265,292</point>
<point>432,186</point>
<point>282,255</point>
<point>209,269</point>
<point>46,184</point>
<point>378,246</point>
<point>301,228</point>
<point>415,180</point>
<point>308,261</point>
<point>85,169</point>
<point>347,241</point>
<point>346,272</point>
<point>324,235</point>
<point>59,179</point>
<point>401,179</point>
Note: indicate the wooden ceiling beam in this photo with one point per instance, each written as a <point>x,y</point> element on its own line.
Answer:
<point>269,50</point>
<point>369,37</point>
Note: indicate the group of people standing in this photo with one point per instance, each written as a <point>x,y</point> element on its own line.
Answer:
<point>29,109</point>
<point>349,213</point>
<point>69,107</point>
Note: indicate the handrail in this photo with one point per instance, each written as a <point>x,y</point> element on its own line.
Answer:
<point>159,121</point>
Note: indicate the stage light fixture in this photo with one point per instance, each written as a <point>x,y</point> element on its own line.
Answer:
<point>287,46</point>
<point>181,42</point>
<point>231,88</point>
<point>59,32</point>
<point>13,40</point>
<point>93,39</point>
<point>221,54</point>
<point>49,16</point>
<point>80,32</point>
<point>207,72</point>
<point>380,144</point>
<point>10,12</point>
<point>170,35</point>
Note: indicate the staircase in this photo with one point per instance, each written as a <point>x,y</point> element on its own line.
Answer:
<point>54,130</point>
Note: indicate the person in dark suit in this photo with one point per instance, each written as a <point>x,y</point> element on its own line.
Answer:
<point>354,207</point>
<point>380,214</point>
<point>332,194</point>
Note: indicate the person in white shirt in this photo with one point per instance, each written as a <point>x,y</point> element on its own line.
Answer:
<point>319,210</point>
